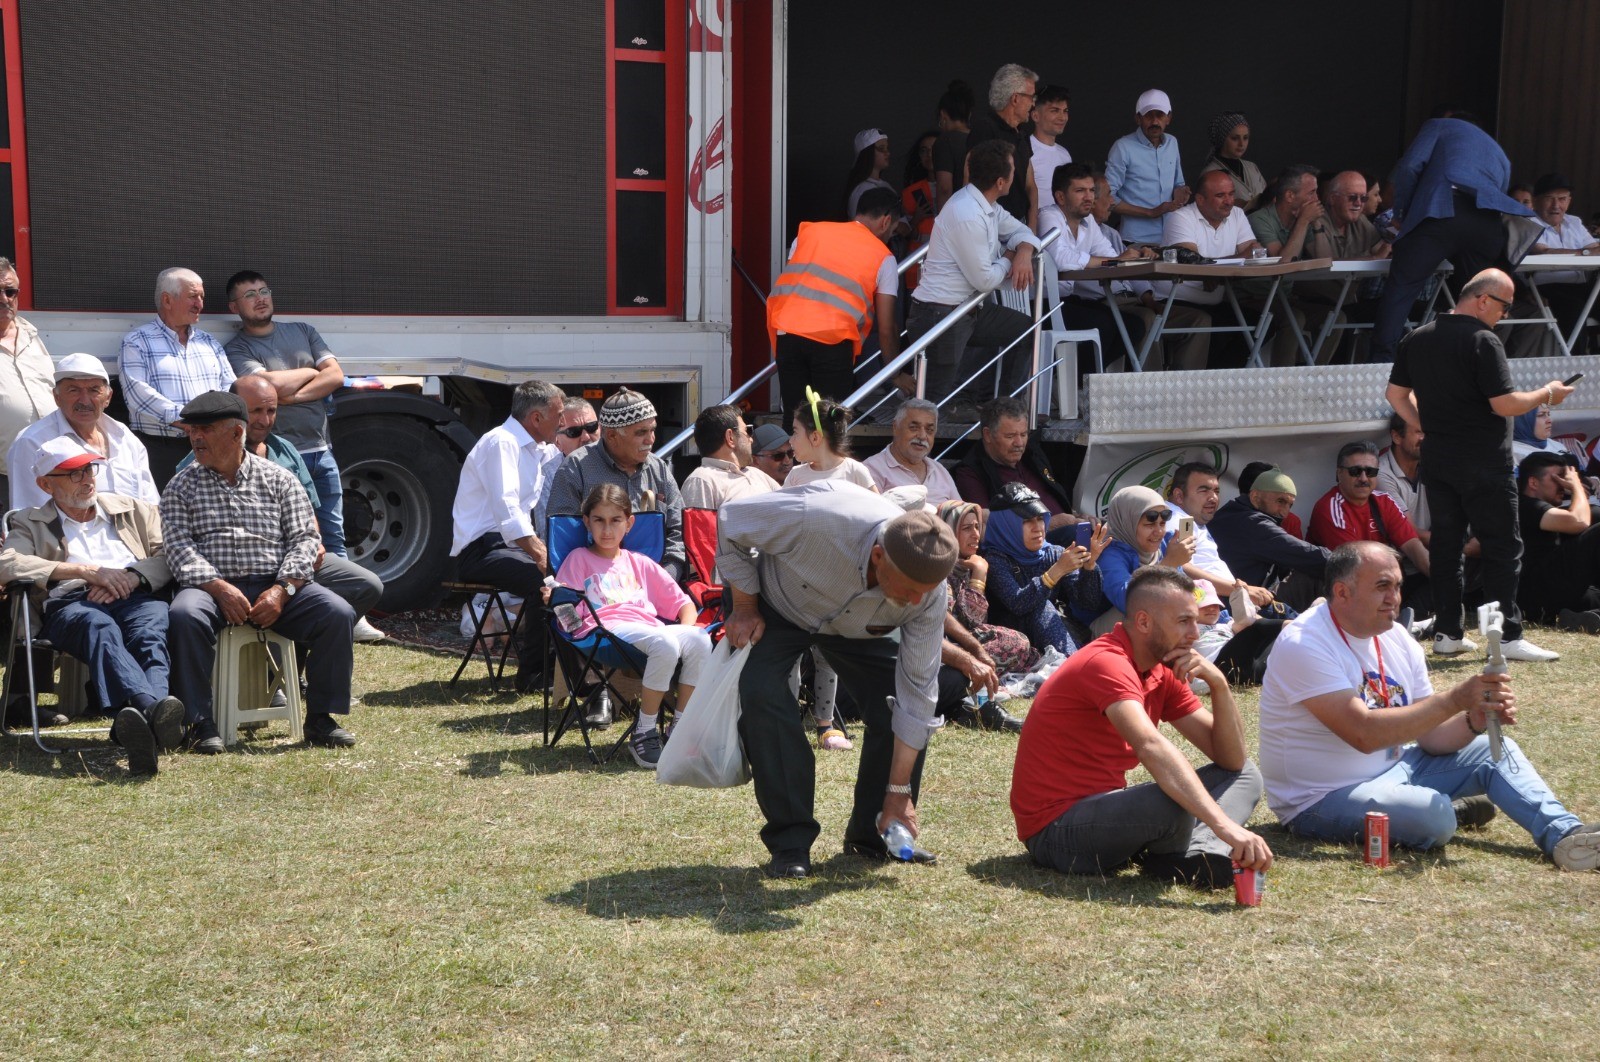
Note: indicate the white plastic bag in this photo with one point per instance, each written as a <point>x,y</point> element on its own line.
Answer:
<point>704,750</point>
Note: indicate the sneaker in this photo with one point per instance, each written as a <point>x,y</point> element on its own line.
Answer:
<point>133,734</point>
<point>1421,629</point>
<point>1444,645</point>
<point>646,747</point>
<point>1522,649</point>
<point>833,739</point>
<point>1473,812</point>
<point>366,633</point>
<point>1578,850</point>
<point>280,699</point>
<point>1569,619</point>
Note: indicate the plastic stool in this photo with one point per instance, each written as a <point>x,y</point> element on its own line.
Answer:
<point>72,698</point>
<point>245,677</point>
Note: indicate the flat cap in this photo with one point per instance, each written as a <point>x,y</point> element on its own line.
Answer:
<point>922,546</point>
<point>212,407</point>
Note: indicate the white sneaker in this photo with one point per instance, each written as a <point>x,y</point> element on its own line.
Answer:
<point>1422,628</point>
<point>1578,850</point>
<point>366,632</point>
<point>1444,645</point>
<point>1522,649</point>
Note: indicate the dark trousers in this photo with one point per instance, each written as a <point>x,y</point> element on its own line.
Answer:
<point>164,455</point>
<point>1244,658</point>
<point>1079,314</point>
<point>1569,578</point>
<point>1472,241</point>
<point>489,559</point>
<point>781,759</point>
<point>828,370</point>
<point>990,325</point>
<point>314,617</point>
<point>1461,492</point>
<point>124,644</point>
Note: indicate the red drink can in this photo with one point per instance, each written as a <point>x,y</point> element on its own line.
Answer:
<point>1248,885</point>
<point>1377,840</point>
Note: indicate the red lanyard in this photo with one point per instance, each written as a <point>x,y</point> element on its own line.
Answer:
<point>1381,690</point>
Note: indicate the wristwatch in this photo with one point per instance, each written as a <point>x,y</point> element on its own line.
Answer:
<point>898,790</point>
<point>289,588</point>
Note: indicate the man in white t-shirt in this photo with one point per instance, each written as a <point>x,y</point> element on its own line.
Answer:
<point>1350,723</point>
<point>1210,226</point>
<point>1050,113</point>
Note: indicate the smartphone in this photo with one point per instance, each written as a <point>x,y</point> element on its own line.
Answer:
<point>1574,378</point>
<point>1082,533</point>
<point>1185,526</point>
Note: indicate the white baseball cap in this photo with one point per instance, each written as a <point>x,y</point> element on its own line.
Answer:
<point>64,451</point>
<point>1153,100</point>
<point>867,137</point>
<point>81,367</point>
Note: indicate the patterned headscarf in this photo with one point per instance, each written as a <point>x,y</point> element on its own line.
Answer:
<point>1221,126</point>
<point>954,511</point>
<point>1122,516</point>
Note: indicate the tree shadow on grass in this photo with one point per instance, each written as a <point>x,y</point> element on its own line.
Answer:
<point>728,899</point>
<point>1129,889</point>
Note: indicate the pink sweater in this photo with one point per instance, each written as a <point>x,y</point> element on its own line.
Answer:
<point>625,589</point>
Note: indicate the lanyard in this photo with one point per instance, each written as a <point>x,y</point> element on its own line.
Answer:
<point>1380,692</point>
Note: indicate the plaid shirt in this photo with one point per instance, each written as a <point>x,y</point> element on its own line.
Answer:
<point>260,526</point>
<point>160,374</point>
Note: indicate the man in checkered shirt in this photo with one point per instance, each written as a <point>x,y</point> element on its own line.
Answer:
<point>242,545</point>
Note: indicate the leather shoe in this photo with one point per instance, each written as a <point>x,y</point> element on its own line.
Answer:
<point>18,717</point>
<point>132,731</point>
<point>995,717</point>
<point>320,729</point>
<point>204,739</point>
<point>794,863</point>
<point>599,715</point>
<point>875,849</point>
<point>962,715</point>
<point>166,720</point>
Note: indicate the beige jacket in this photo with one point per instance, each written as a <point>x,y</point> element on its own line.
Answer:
<point>33,544</point>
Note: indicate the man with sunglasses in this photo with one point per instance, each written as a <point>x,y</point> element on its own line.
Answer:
<point>771,452</point>
<point>1353,511</point>
<point>1450,379</point>
<point>579,427</point>
<point>1012,92</point>
<point>25,369</point>
<point>727,471</point>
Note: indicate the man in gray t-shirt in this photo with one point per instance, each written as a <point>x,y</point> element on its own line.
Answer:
<point>303,369</point>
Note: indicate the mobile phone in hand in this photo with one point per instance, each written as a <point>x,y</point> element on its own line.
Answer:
<point>1574,378</point>
<point>1185,526</point>
<point>1082,533</point>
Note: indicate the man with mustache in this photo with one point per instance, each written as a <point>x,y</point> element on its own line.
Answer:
<point>905,460</point>
<point>82,392</point>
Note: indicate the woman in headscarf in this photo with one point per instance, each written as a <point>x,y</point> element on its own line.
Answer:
<point>1530,433</point>
<point>1028,577</point>
<point>969,601</point>
<point>1230,138</point>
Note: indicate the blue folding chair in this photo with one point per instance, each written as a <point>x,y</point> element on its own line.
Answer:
<point>598,652</point>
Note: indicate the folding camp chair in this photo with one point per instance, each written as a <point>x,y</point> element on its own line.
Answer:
<point>481,642</point>
<point>23,641</point>
<point>702,585</point>
<point>599,652</point>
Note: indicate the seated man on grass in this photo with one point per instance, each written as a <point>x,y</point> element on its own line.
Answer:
<point>1350,723</point>
<point>1097,717</point>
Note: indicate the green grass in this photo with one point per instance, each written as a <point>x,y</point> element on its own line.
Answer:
<point>452,888</point>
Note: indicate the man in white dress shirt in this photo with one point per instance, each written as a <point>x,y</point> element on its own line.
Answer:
<point>494,540</point>
<point>82,392</point>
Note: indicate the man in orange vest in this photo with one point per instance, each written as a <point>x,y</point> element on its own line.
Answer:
<point>840,275</point>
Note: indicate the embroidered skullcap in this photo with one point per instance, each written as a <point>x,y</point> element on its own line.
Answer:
<point>626,408</point>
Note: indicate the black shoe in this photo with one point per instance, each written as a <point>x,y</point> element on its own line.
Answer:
<point>132,731</point>
<point>793,863</point>
<point>279,699</point>
<point>1473,812</point>
<point>204,739</point>
<point>18,717</point>
<point>166,721</point>
<point>599,715</point>
<point>962,715</point>
<point>995,717</point>
<point>1574,620</point>
<point>875,849</point>
<point>320,729</point>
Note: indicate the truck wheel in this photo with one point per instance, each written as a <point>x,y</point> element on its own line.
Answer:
<point>399,484</point>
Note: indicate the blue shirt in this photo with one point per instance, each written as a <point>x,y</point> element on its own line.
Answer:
<point>1450,155</point>
<point>161,374</point>
<point>1145,175</point>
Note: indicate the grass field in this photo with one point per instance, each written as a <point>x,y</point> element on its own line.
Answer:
<point>450,888</point>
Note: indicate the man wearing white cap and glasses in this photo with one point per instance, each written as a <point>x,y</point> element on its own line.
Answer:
<point>82,392</point>
<point>95,561</point>
<point>1145,173</point>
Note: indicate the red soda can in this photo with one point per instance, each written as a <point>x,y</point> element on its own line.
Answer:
<point>1377,840</point>
<point>1248,885</point>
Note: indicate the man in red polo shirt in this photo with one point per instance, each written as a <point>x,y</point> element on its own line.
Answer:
<point>1096,718</point>
<point>1353,511</point>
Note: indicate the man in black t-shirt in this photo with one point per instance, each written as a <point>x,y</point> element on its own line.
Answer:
<point>1011,96</point>
<point>1450,378</point>
<point>1560,544</point>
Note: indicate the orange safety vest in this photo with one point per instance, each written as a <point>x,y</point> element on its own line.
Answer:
<point>826,291</point>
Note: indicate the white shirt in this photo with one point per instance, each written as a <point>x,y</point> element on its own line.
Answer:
<point>1302,760</point>
<point>1046,157</point>
<point>888,473</point>
<point>126,470</point>
<point>1134,288</point>
<point>849,470</point>
<point>1073,250</point>
<point>501,480</point>
<point>95,542</point>
<point>1188,225</point>
<point>1206,556</point>
<point>1571,236</point>
<point>25,382</point>
<point>964,252</point>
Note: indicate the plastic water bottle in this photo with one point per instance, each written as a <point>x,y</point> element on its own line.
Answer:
<point>899,841</point>
<point>566,615</point>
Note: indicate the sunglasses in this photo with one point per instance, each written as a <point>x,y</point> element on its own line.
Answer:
<point>779,455</point>
<point>578,431</point>
<point>10,293</point>
<point>1356,200</point>
<point>1156,516</point>
<point>1503,302</point>
<point>1360,471</point>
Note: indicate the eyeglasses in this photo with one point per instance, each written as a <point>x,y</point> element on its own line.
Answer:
<point>1360,471</point>
<point>10,293</point>
<point>1156,516</point>
<point>256,293</point>
<point>77,475</point>
<point>779,455</point>
<point>578,431</point>
<point>1506,303</point>
<point>1028,95</point>
<point>1356,200</point>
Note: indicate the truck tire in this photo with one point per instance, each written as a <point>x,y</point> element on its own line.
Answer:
<point>399,480</point>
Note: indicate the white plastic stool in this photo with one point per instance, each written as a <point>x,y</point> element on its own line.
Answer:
<point>245,677</point>
<point>71,696</point>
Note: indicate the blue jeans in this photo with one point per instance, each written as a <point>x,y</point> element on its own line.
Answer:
<point>330,499</point>
<point>123,642</point>
<point>1416,793</point>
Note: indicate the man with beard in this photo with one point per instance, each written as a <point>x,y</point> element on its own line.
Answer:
<point>727,469</point>
<point>1196,492</point>
<point>1145,173</point>
<point>905,461</point>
